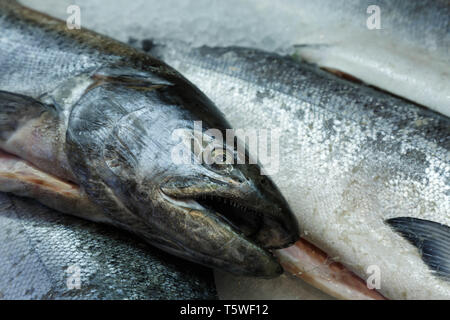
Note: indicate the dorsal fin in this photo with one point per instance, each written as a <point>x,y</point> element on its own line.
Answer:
<point>431,238</point>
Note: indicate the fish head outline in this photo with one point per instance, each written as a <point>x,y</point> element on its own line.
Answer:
<point>123,139</point>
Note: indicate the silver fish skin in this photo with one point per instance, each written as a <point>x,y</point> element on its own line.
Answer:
<point>406,53</point>
<point>351,158</point>
<point>43,253</point>
<point>87,128</point>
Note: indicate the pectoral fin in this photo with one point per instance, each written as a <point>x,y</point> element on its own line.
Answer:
<point>35,132</point>
<point>431,238</point>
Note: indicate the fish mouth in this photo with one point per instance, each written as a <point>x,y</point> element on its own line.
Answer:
<point>218,237</point>
<point>239,216</point>
<point>262,217</point>
<point>234,222</point>
<point>248,220</point>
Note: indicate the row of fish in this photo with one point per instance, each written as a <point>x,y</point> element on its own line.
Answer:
<point>86,126</point>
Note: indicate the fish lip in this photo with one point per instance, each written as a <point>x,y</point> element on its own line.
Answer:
<point>246,210</point>
<point>196,204</point>
<point>255,213</point>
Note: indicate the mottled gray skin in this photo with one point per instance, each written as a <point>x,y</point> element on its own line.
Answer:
<point>103,119</point>
<point>39,245</point>
<point>350,156</point>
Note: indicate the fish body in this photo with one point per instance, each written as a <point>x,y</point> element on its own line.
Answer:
<point>48,255</point>
<point>87,127</point>
<point>401,46</point>
<point>366,174</point>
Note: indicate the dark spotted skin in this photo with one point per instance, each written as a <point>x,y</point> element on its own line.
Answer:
<point>39,245</point>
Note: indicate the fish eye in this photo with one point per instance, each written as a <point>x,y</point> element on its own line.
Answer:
<point>221,167</point>
<point>221,160</point>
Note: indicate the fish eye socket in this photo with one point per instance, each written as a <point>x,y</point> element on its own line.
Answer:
<point>220,160</point>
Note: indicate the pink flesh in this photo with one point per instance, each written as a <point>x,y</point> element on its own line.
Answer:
<point>21,178</point>
<point>306,261</point>
<point>15,169</point>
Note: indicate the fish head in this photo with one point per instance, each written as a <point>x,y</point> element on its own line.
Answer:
<point>135,149</point>
<point>235,212</point>
<point>238,192</point>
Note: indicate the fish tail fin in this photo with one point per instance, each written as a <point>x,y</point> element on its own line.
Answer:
<point>431,238</point>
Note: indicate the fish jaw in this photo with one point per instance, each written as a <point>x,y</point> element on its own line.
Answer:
<point>243,220</point>
<point>203,236</point>
<point>249,201</point>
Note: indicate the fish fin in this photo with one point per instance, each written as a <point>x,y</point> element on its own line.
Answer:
<point>15,110</point>
<point>431,238</point>
<point>30,159</point>
<point>33,131</point>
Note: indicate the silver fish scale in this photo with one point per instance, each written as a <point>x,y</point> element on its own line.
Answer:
<point>39,245</point>
<point>350,156</point>
<point>44,61</point>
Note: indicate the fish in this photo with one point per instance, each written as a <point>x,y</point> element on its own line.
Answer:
<point>367,174</point>
<point>92,127</point>
<point>45,254</point>
<point>400,46</point>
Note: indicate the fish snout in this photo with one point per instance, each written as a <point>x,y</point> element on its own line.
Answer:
<point>278,227</point>
<point>197,233</point>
